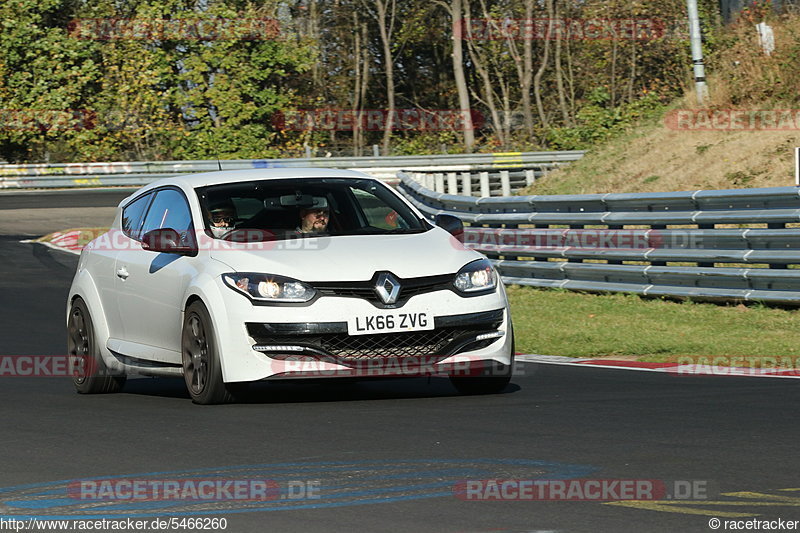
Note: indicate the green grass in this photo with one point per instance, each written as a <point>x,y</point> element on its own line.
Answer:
<point>557,322</point>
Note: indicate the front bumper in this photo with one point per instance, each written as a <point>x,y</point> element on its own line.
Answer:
<point>258,342</point>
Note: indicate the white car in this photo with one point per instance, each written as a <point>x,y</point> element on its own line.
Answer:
<point>221,278</point>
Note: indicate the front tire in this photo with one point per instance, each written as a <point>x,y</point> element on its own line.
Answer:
<point>202,371</point>
<point>94,377</point>
<point>491,380</point>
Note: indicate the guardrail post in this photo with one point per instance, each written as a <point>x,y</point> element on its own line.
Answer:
<point>615,261</point>
<point>466,184</point>
<point>514,228</point>
<point>485,192</point>
<point>699,226</point>
<point>664,263</point>
<point>376,151</point>
<point>530,177</point>
<point>777,225</point>
<point>452,183</point>
<point>429,181</point>
<point>439,182</point>
<point>573,259</point>
<point>505,183</point>
<point>541,226</point>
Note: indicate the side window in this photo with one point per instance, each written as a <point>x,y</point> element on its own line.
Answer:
<point>169,210</point>
<point>247,207</point>
<point>132,216</point>
<point>377,213</point>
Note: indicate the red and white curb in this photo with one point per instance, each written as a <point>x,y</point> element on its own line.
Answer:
<point>66,241</point>
<point>707,367</point>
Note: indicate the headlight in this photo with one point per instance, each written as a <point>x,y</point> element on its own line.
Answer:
<point>269,288</point>
<point>478,276</point>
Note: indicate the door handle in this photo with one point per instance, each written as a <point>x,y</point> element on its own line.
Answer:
<point>122,273</point>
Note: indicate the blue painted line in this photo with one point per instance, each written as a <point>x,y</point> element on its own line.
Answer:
<point>553,470</point>
<point>331,464</point>
<point>237,511</point>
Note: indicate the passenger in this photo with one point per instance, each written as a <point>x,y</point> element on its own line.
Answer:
<point>223,218</point>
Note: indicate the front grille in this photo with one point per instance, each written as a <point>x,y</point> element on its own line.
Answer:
<point>365,290</point>
<point>330,341</point>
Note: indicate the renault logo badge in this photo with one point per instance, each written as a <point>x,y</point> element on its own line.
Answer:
<point>387,287</point>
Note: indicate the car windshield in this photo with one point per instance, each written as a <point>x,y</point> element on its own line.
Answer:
<point>291,208</point>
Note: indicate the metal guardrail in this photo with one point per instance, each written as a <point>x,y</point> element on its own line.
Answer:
<point>140,173</point>
<point>655,244</point>
<point>482,181</point>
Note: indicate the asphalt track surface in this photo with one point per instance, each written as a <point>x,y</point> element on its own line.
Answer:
<point>386,455</point>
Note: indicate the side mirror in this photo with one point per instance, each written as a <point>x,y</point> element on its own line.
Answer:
<point>451,225</point>
<point>169,241</point>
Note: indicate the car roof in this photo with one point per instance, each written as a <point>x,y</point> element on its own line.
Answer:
<point>203,179</point>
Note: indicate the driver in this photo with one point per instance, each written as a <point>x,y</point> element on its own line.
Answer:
<point>315,219</point>
<point>223,218</point>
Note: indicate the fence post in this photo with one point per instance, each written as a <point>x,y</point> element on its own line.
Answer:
<point>485,193</point>
<point>505,183</point>
<point>452,183</point>
<point>530,177</point>
<point>439,183</point>
<point>466,184</point>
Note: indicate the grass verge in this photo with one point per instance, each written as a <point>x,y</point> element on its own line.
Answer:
<point>557,322</point>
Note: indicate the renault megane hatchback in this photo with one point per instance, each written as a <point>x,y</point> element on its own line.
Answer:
<point>228,278</point>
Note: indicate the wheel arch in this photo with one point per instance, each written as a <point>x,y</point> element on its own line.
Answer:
<point>205,290</point>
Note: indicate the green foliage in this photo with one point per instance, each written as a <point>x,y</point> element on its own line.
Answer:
<point>596,123</point>
<point>156,98</point>
<point>427,143</point>
<point>146,98</point>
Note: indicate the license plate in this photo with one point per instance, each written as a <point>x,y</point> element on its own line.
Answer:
<point>390,323</point>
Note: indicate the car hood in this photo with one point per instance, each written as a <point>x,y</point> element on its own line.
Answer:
<point>350,258</point>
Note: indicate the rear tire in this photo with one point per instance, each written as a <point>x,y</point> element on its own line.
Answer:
<point>202,371</point>
<point>94,377</point>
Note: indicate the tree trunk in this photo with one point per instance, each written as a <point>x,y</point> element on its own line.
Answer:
<point>537,79</point>
<point>388,63</point>
<point>527,77</point>
<point>562,99</point>
<point>468,130</point>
